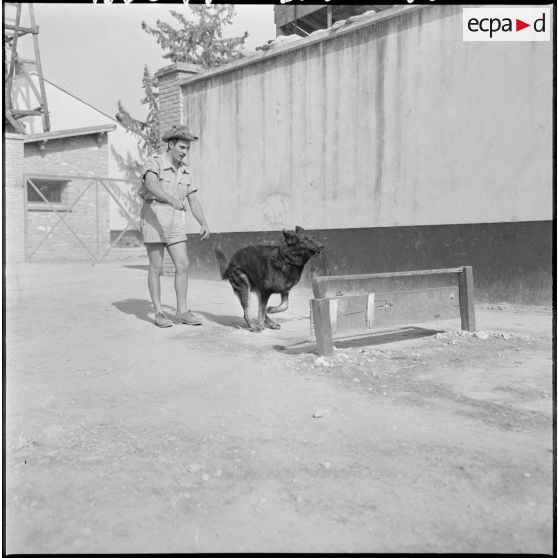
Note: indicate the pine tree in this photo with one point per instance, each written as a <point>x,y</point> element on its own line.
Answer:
<point>148,130</point>
<point>199,41</point>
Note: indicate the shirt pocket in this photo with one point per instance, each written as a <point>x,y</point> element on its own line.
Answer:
<point>183,185</point>
<point>167,184</point>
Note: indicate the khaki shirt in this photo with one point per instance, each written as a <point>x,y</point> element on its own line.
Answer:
<point>174,182</point>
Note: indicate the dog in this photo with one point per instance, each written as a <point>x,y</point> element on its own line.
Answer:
<point>266,270</point>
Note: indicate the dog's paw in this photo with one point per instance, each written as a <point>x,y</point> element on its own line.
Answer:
<point>272,325</point>
<point>257,328</point>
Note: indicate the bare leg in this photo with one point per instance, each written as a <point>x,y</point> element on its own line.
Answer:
<point>282,307</point>
<point>179,257</point>
<point>155,253</point>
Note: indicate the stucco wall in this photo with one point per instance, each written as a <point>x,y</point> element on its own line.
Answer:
<point>399,123</point>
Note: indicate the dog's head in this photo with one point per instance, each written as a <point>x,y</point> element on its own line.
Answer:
<point>300,238</point>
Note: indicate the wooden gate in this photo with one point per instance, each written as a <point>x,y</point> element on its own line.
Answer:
<point>68,217</point>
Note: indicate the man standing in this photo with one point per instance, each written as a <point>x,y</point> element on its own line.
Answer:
<point>166,187</point>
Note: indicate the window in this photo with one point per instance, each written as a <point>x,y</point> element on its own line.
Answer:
<point>51,189</point>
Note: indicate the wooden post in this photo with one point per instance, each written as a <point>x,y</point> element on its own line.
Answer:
<point>97,217</point>
<point>370,310</point>
<point>467,299</point>
<point>322,326</point>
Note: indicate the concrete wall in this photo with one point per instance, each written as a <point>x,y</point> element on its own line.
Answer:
<point>391,128</point>
<point>75,156</point>
<point>511,261</point>
<point>398,123</point>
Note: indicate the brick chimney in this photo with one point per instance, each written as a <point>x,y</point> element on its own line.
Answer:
<point>171,105</point>
<point>171,111</point>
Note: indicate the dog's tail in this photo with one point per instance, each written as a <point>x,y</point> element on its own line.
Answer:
<point>223,264</point>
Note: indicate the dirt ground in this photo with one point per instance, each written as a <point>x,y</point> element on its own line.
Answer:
<point>122,437</point>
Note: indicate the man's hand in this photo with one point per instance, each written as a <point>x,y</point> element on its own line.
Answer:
<point>177,204</point>
<point>204,231</point>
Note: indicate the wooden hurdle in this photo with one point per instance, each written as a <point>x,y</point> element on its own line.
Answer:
<point>352,303</point>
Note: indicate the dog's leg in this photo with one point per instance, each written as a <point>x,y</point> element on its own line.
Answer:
<point>241,286</point>
<point>282,307</point>
<point>268,322</point>
<point>262,307</point>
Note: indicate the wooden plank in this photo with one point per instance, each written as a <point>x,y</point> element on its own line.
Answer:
<point>43,99</point>
<point>467,299</point>
<point>333,313</point>
<point>23,112</point>
<point>397,273</point>
<point>370,310</point>
<point>394,308</point>
<point>322,318</point>
<point>16,125</point>
<point>424,305</point>
<point>22,30</point>
<point>341,285</point>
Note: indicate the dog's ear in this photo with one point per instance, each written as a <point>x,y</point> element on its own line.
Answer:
<point>290,238</point>
<point>299,229</point>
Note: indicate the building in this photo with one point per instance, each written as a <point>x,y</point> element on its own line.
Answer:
<point>61,169</point>
<point>84,155</point>
<point>303,20</point>
<point>398,144</point>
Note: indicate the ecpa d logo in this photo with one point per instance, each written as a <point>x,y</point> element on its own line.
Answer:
<point>507,24</point>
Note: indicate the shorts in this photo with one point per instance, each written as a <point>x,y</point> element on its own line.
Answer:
<point>162,223</point>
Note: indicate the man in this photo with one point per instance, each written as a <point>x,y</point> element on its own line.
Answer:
<point>166,187</point>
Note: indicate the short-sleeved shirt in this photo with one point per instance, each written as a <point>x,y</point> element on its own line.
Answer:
<point>174,182</point>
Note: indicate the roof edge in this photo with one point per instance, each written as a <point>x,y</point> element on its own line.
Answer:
<point>45,136</point>
<point>321,35</point>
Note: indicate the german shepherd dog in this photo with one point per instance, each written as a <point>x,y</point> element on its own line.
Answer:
<point>268,269</point>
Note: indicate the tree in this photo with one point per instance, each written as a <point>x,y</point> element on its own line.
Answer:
<point>199,41</point>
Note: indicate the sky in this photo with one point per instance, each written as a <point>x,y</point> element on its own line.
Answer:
<point>98,51</point>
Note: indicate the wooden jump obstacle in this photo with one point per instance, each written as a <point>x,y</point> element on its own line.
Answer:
<point>352,303</point>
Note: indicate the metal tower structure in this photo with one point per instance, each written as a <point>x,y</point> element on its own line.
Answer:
<point>17,66</point>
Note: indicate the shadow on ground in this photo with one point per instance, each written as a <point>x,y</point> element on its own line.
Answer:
<point>228,321</point>
<point>378,338</point>
<point>139,307</point>
<point>236,322</point>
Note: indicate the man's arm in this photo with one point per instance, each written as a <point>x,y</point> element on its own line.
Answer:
<point>152,185</point>
<point>197,212</point>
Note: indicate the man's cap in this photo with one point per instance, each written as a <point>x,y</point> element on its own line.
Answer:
<point>179,132</point>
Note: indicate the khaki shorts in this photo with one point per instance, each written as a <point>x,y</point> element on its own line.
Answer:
<point>162,223</point>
